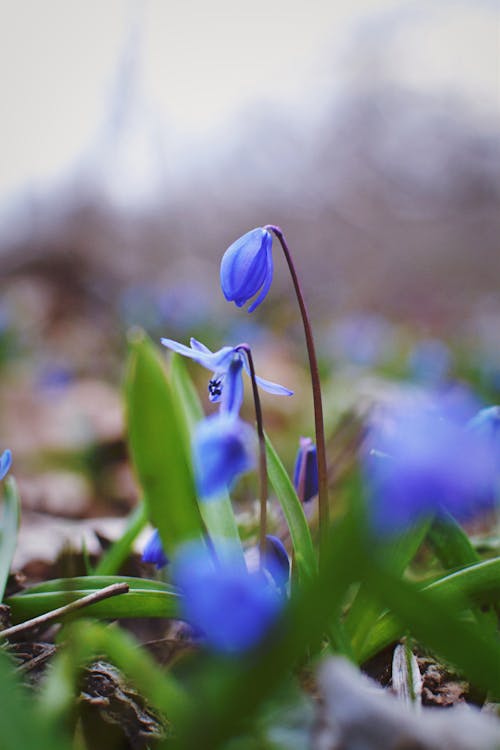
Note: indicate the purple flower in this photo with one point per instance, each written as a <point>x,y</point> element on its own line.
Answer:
<point>305,477</point>
<point>232,608</point>
<point>247,268</point>
<point>5,463</point>
<point>223,448</point>
<point>226,365</point>
<point>423,462</point>
<point>153,551</point>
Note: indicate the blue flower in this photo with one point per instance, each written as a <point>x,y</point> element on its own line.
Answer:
<point>232,608</point>
<point>305,477</point>
<point>153,551</point>
<point>5,463</point>
<point>226,365</point>
<point>247,267</point>
<point>424,462</point>
<point>276,561</point>
<point>223,448</point>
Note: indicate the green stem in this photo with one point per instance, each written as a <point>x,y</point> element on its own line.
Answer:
<point>323,504</point>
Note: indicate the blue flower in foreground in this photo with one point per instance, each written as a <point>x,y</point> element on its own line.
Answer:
<point>5,463</point>
<point>226,365</point>
<point>153,551</point>
<point>232,608</point>
<point>247,267</point>
<point>424,462</point>
<point>223,448</point>
<point>305,477</point>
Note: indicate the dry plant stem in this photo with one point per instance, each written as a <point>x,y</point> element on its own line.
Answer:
<point>316,391</point>
<point>56,614</point>
<point>262,453</point>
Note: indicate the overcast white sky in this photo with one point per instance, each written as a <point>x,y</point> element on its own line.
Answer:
<point>204,61</point>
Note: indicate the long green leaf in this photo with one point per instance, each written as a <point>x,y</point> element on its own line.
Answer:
<point>305,556</point>
<point>112,560</point>
<point>451,544</point>
<point>476,584</point>
<point>8,531</point>
<point>145,598</point>
<point>158,448</point>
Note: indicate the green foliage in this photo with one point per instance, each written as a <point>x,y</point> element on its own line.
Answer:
<point>8,530</point>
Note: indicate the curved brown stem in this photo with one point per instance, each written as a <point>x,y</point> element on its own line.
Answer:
<point>323,504</point>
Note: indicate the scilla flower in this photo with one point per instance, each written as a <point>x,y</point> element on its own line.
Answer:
<point>424,462</point>
<point>223,448</point>
<point>153,551</point>
<point>226,365</point>
<point>305,477</point>
<point>5,463</point>
<point>232,608</point>
<point>247,268</point>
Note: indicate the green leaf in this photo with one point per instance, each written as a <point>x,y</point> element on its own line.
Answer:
<point>22,726</point>
<point>158,448</point>
<point>305,556</point>
<point>365,610</point>
<point>451,544</point>
<point>115,556</point>
<point>145,598</point>
<point>217,513</point>
<point>476,584</point>
<point>435,622</point>
<point>8,531</point>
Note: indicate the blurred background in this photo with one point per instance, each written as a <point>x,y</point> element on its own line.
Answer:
<point>139,139</point>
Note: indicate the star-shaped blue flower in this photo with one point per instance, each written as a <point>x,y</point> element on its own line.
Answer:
<point>226,364</point>
<point>247,268</point>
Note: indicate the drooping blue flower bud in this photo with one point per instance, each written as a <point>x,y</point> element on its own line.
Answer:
<point>153,551</point>
<point>247,268</point>
<point>223,448</point>
<point>232,608</point>
<point>5,463</point>
<point>276,561</point>
<point>305,477</point>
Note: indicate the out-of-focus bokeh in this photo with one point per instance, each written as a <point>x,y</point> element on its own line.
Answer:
<point>139,139</point>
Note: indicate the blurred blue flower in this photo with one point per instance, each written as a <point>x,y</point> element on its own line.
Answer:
<point>486,423</point>
<point>5,463</point>
<point>363,339</point>
<point>153,551</point>
<point>276,561</point>
<point>430,361</point>
<point>247,267</point>
<point>305,477</point>
<point>223,448</point>
<point>422,462</point>
<point>226,365</point>
<point>232,608</point>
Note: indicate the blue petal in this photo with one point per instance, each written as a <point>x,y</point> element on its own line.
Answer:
<point>232,393</point>
<point>243,266</point>
<point>199,346</point>
<point>268,276</point>
<point>223,448</point>
<point>153,551</point>
<point>200,353</point>
<point>5,463</point>
<point>267,385</point>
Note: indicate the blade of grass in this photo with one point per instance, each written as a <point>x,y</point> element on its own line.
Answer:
<point>305,555</point>
<point>158,449</point>
<point>8,531</point>
<point>115,556</point>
